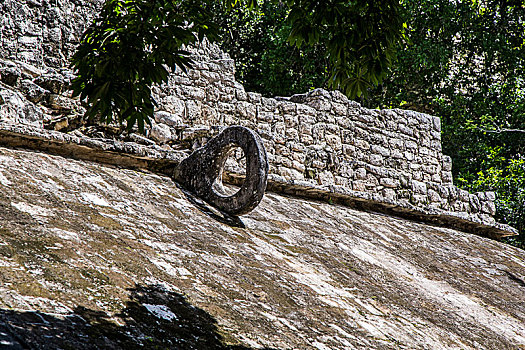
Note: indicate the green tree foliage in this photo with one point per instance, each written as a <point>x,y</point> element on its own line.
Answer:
<point>265,62</point>
<point>337,44</point>
<point>134,43</point>
<point>129,47</point>
<point>466,64</point>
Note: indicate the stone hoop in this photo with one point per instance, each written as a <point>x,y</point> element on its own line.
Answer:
<point>199,172</point>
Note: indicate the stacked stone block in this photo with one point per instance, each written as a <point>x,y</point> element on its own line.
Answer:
<point>318,139</point>
<point>323,139</point>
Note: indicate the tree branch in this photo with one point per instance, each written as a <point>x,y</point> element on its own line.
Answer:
<point>499,131</point>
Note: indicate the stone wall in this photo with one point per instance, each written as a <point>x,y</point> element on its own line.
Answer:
<point>43,33</point>
<point>323,139</point>
<point>317,140</point>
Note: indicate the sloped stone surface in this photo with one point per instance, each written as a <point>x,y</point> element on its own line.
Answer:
<point>97,256</point>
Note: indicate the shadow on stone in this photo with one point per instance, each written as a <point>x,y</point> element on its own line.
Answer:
<point>153,319</point>
<point>214,213</point>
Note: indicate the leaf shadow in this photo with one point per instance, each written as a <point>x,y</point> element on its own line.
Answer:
<point>154,318</point>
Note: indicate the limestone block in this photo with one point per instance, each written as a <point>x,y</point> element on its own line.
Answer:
<point>409,156</point>
<point>389,194</point>
<point>291,120</point>
<point>437,178</point>
<point>362,144</point>
<point>404,129</point>
<point>265,130</point>
<point>376,159</point>
<point>254,97</point>
<point>334,141</point>
<point>339,109</point>
<point>430,169</point>
<point>491,196</point>
<point>296,146</point>
<point>362,156</point>
<point>447,177</point>
<point>320,93</point>
<point>488,207</point>
<point>289,108</point>
<point>318,132</point>
<point>436,122</point>
<point>349,150</point>
<point>395,153</point>
<point>305,129</point>
<point>210,77</point>
<point>299,166</point>
<point>227,65</point>
<point>419,199</point>
<point>167,118</point>
<point>396,143</point>
<point>264,116</point>
<point>227,108</point>
<point>433,196</point>
<point>60,102</point>
<point>463,195</point>
<point>210,116</point>
<point>447,163</point>
<point>282,150</point>
<point>33,92</point>
<point>359,185</point>
<point>194,74</point>
<point>339,97</point>
<point>371,180</point>
<point>279,129</point>
<point>319,104</point>
<point>161,133</point>
<point>419,187</point>
<point>193,93</point>
<point>303,109</point>
<point>229,119</point>
<point>436,146</point>
<point>241,95</point>
<point>417,175</point>
<point>474,203</point>
<point>179,80</point>
<point>306,139</point>
<point>325,178</point>
<point>411,145</point>
<point>246,110</point>
<point>344,123</point>
<point>212,93</point>
<point>193,110</point>
<point>383,151</point>
<point>389,182</point>
<point>341,181</point>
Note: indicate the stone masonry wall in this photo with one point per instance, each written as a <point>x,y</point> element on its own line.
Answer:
<point>322,138</point>
<point>318,139</point>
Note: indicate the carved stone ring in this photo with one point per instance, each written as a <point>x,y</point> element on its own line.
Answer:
<point>199,172</point>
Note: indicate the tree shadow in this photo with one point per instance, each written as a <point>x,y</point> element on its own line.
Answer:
<point>154,318</point>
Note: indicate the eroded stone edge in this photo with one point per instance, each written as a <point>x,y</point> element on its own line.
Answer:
<point>156,159</point>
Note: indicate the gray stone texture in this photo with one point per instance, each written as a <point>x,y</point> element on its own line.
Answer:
<point>201,172</point>
<point>319,139</point>
<point>79,239</point>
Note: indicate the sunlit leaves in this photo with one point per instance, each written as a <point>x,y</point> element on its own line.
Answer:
<point>362,38</point>
<point>466,63</point>
<point>134,43</point>
<point>129,47</point>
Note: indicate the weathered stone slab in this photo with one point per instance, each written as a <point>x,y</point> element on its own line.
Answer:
<point>156,159</point>
<point>96,256</point>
